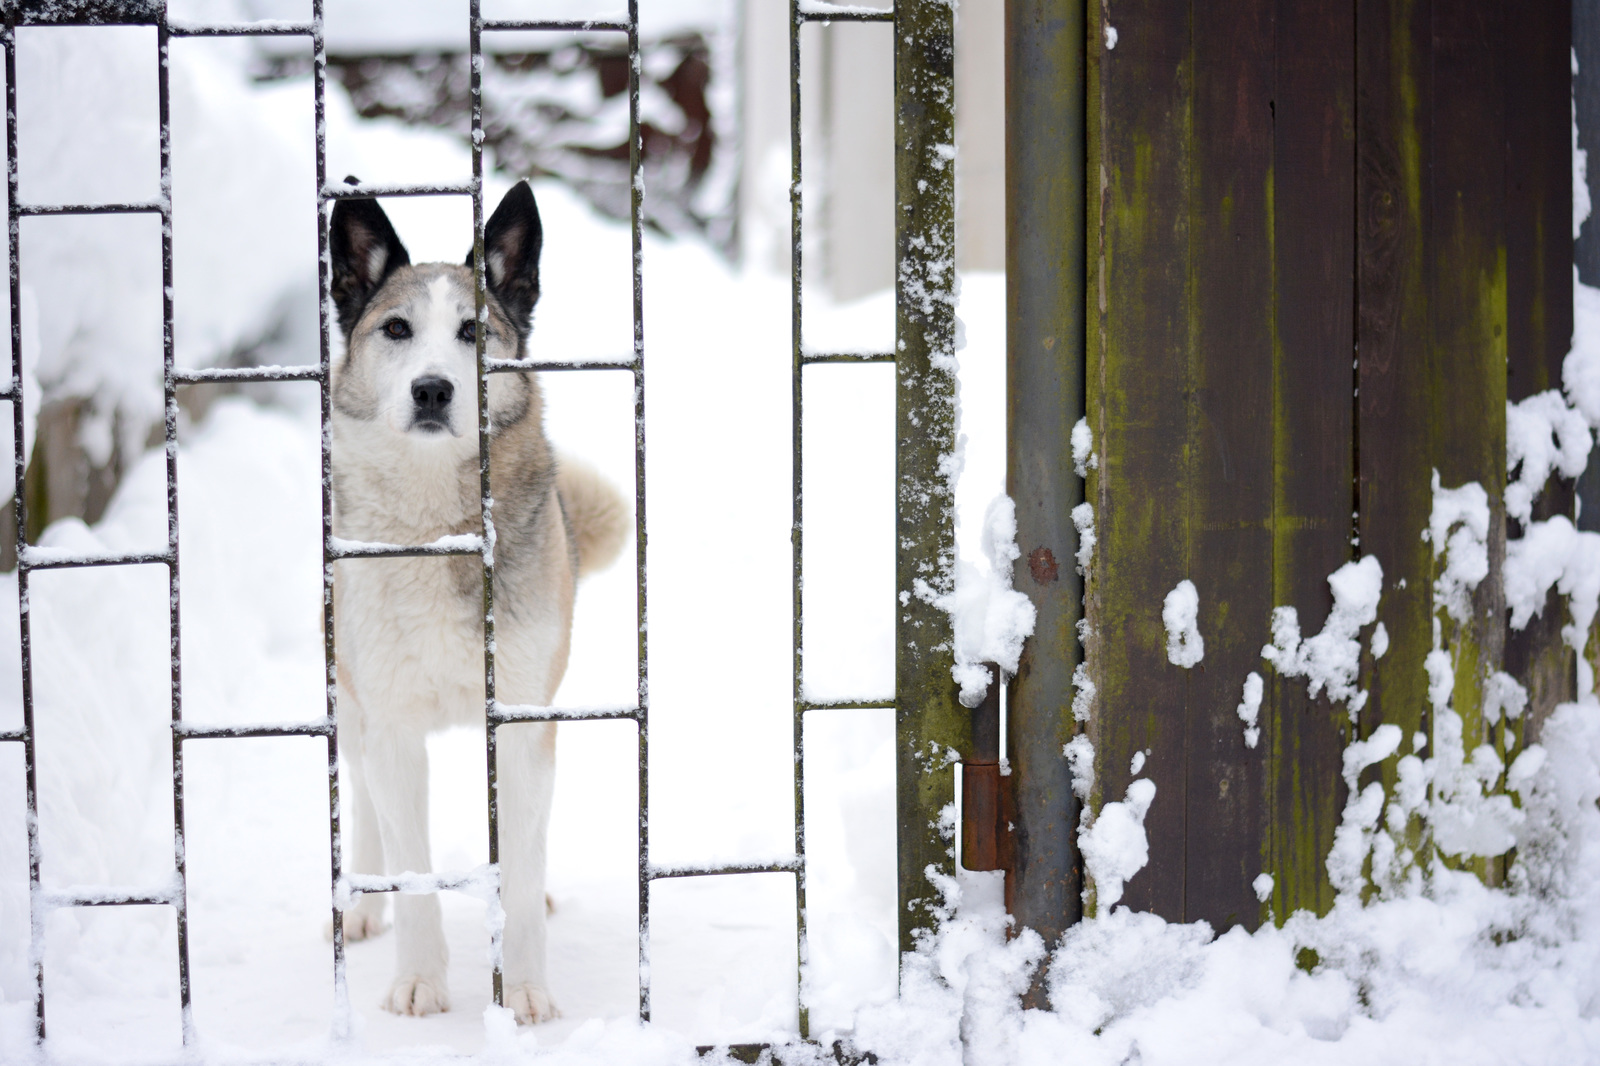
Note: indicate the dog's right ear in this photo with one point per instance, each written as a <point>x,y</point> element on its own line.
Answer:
<point>365,250</point>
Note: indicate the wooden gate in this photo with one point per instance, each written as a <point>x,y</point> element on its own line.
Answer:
<point>1321,245</point>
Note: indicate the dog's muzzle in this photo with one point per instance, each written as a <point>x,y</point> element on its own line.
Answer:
<point>430,399</point>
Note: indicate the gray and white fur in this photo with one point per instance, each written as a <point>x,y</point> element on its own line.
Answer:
<point>409,632</point>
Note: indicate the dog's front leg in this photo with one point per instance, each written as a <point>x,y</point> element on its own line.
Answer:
<point>365,919</point>
<point>396,763</point>
<point>526,775</point>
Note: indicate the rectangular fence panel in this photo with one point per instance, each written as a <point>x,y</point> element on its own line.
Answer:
<point>934,729</point>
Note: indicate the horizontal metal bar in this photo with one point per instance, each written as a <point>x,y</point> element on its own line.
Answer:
<point>5,393</point>
<point>35,558</point>
<point>113,896</point>
<point>460,544</point>
<point>807,358</point>
<point>367,190</point>
<point>568,25</point>
<point>845,14</point>
<point>185,731</point>
<point>141,207</point>
<point>263,28</point>
<point>507,713</point>
<point>89,13</point>
<point>481,879</point>
<point>526,366</point>
<point>211,375</point>
<point>18,735</point>
<point>847,705</point>
<point>791,865</point>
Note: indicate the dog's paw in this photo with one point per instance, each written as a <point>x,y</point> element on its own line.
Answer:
<point>357,926</point>
<point>530,1004</point>
<point>416,995</point>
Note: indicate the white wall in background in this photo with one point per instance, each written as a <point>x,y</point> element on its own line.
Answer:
<point>848,79</point>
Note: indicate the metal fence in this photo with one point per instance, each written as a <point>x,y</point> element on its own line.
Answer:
<point>925,328</point>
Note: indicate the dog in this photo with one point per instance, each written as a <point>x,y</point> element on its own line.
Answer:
<point>409,631</point>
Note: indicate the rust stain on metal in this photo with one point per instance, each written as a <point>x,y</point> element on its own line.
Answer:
<point>1042,565</point>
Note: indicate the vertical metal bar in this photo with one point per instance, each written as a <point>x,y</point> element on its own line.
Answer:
<point>169,390</point>
<point>330,666</point>
<point>1045,208</point>
<point>485,496</point>
<point>636,185</point>
<point>19,458</point>
<point>797,394</point>
<point>931,726</point>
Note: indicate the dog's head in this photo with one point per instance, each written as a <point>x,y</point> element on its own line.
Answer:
<point>410,347</point>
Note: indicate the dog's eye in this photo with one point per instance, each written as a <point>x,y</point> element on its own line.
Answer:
<point>398,328</point>
<point>468,333</point>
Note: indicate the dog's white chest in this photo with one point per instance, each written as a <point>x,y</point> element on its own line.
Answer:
<point>413,642</point>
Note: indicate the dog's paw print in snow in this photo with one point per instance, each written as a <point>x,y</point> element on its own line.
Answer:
<point>416,995</point>
<point>531,1004</point>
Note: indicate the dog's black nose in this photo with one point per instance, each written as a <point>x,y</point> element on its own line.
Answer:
<point>432,397</point>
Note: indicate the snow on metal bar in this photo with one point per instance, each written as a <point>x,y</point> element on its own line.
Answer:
<point>169,894</point>
<point>33,557</point>
<point>788,864</point>
<point>343,1021</point>
<point>142,207</point>
<point>482,881</point>
<point>368,190</point>
<point>528,366</point>
<point>14,735</point>
<point>884,704</point>
<point>808,358</point>
<point>189,731</point>
<point>505,713</point>
<point>245,374</point>
<point>90,13</point>
<point>567,25</point>
<point>19,513</point>
<point>263,28</point>
<point>824,12</point>
<point>457,544</point>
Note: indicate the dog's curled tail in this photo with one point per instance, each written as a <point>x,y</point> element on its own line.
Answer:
<point>596,511</point>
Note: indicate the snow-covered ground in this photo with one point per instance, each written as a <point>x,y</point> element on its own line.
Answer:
<point>1446,971</point>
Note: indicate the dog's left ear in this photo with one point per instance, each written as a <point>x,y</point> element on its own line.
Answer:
<point>512,240</point>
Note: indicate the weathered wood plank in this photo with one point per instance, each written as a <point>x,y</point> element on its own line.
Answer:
<point>1313,427</point>
<point>1467,266</point>
<point>1140,408</point>
<point>1230,440</point>
<point>1395,427</point>
<point>1539,252</point>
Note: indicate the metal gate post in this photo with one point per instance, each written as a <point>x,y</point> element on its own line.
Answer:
<point>931,726</point>
<point>1045,214</point>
